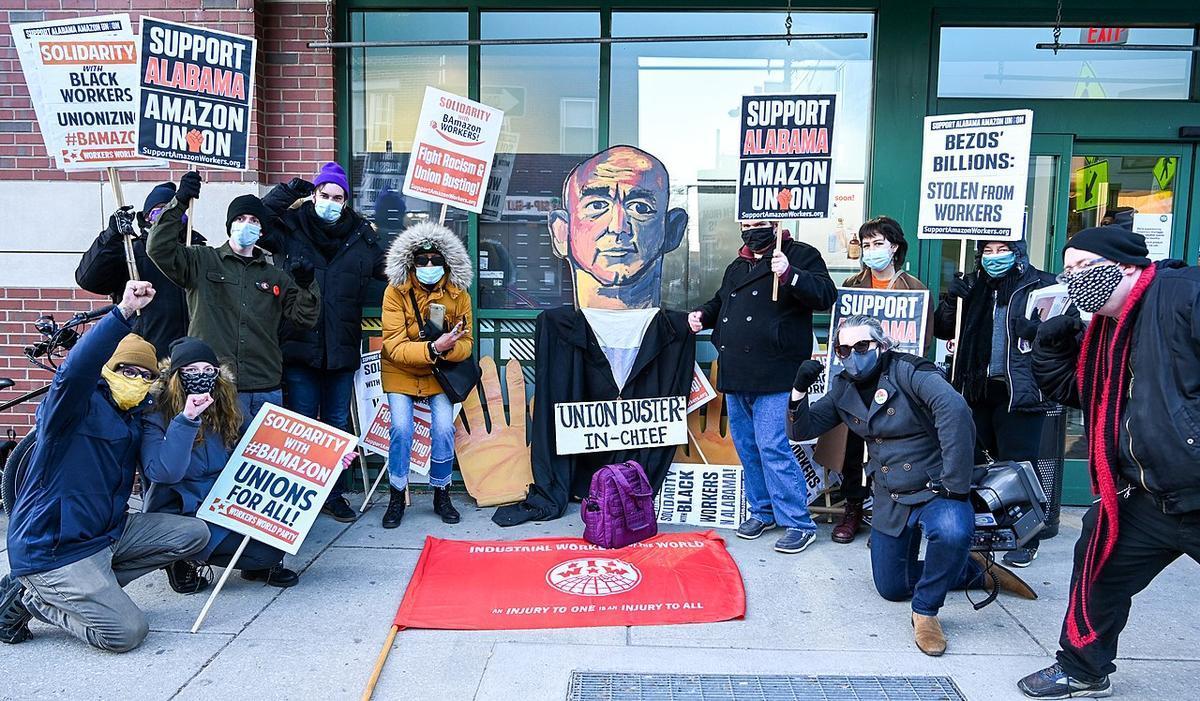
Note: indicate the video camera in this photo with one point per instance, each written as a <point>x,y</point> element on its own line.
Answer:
<point>1010,506</point>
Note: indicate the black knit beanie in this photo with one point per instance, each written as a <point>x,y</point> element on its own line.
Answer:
<point>188,350</point>
<point>245,204</point>
<point>1115,243</point>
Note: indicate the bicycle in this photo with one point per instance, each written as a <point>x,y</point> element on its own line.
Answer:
<point>46,354</point>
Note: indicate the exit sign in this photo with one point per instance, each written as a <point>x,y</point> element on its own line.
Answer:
<point>1104,35</point>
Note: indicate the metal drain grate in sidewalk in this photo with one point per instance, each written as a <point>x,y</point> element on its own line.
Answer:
<point>622,686</point>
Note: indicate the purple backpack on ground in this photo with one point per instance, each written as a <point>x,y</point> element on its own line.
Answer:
<point>619,510</point>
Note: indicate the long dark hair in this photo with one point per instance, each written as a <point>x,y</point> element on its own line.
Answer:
<point>892,233</point>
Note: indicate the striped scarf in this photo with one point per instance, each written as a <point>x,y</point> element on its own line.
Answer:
<point>1103,379</point>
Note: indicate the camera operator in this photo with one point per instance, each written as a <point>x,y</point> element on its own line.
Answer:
<point>920,439</point>
<point>72,545</point>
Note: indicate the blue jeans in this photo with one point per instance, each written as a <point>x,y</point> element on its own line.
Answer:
<point>442,459</point>
<point>775,485</point>
<point>253,401</point>
<point>323,395</point>
<point>899,575</point>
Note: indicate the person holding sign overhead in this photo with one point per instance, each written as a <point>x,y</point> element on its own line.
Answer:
<point>991,370</point>
<point>426,318</point>
<point>760,343</point>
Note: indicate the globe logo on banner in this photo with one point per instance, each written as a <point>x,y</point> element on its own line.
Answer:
<point>601,576</point>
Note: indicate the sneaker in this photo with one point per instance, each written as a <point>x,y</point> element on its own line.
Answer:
<point>1021,557</point>
<point>1054,683</point>
<point>277,576</point>
<point>14,617</point>
<point>339,509</point>
<point>795,540</point>
<point>752,528</point>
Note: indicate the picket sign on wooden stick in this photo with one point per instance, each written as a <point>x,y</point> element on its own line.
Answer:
<point>383,655</point>
<point>774,277</point>
<point>958,308</point>
<point>220,583</point>
<point>191,208</point>
<point>371,492</point>
<point>114,179</point>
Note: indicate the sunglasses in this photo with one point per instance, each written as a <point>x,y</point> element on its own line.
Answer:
<point>424,259</point>
<point>133,373</point>
<point>844,352</point>
<point>196,372</point>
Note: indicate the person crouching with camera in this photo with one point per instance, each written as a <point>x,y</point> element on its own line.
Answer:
<point>920,440</point>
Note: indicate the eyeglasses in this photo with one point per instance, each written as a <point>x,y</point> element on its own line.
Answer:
<point>198,373</point>
<point>133,373</point>
<point>1068,274</point>
<point>424,259</point>
<point>844,351</point>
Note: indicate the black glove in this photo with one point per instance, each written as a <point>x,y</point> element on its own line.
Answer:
<point>1026,329</point>
<point>120,223</point>
<point>189,188</point>
<point>302,272</point>
<point>1059,332</point>
<point>809,372</point>
<point>300,187</point>
<point>958,287</point>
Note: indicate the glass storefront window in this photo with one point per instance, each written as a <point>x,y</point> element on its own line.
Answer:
<point>550,96</point>
<point>680,102</point>
<point>1002,62</point>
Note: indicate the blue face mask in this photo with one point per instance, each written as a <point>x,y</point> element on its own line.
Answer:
<point>328,210</point>
<point>430,274</point>
<point>860,365</point>
<point>997,264</point>
<point>245,234</point>
<point>877,259</point>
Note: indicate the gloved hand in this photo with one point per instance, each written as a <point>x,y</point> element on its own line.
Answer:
<point>120,222</point>
<point>189,188</point>
<point>809,372</point>
<point>1059,332</point>
<point>1027,329</point>
<point>301,187</point>
<point>959,287</point>
<point>302,272</point>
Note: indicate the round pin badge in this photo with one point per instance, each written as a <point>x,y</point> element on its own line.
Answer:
<point>881,396</point>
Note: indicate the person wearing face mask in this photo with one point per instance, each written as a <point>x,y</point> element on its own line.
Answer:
<point>315,222</point>
<point>103,270</point>
<point>760,343</point>
<point>72,543</point>
<point>1133,373</point>
<point>990,367</point>
<point>920,440</point>
<point>426,265</point>
<point>237,298</point>
<point>884,250</point>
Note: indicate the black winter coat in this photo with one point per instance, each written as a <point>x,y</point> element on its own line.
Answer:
<point>572,368</point>
<point>103,271</point>
<point>344,279</point>
<point>761,343</point>
<point>1159,439</point>
<point>1024,395</point>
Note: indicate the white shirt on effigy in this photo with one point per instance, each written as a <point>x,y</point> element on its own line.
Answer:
<point>620,333</point>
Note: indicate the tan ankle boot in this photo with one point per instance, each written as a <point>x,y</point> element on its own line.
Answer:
<point>927,631</point>
<point>1010,583</point>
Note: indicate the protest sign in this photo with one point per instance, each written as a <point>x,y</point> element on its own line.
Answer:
<point>902,313</point>
<point>973,175</point>
<point>368,387</point>
<point>377,436</point>
<point>197,94</point>
<point>710,496</point>
<point>785,165</point>
<point>817,479</point>
<point>501,175</point>
<point>82,76</point>
<point>621,424</point>
<point>702,391</point>
<point>277,479</point>
<point>452,150</point>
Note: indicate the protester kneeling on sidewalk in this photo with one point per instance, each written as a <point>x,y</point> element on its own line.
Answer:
<point>427,266</point>
<point>72,545</point>
<point>920,442</point>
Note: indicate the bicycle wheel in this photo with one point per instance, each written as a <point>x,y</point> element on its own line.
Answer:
<point>15,469</point>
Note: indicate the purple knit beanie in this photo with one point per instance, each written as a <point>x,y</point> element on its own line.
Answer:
<point>332,173</point>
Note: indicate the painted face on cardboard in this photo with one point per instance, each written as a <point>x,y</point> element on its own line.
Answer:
<point>616,225</point>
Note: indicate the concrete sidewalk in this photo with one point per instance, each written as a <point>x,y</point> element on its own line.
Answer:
<point>812,613</point>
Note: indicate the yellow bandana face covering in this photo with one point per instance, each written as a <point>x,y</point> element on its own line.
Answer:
<point>126,392</point>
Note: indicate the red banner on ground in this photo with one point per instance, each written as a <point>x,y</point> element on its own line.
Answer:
<point>570,583</point>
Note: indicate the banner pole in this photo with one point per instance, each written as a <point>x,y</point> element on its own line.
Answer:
<point>442,217</point>
<point>697,444</point>
<point>958,308</point>
<point>114,179</point>
<point>383,655</point>
<point>220,583</point>
<point>191,208</point>
<point>774,277</point>
<point>371,491</point>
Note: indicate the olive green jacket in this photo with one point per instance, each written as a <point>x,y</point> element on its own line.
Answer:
<point>236,303</point>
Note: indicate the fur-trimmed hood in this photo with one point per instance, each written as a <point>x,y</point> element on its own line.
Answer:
<point>400,254</point>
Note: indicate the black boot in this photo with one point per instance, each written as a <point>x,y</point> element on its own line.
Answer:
<point>442,506</point>
<point>395,508</point>
<point>185,577</point>
<point>14,617</point>
<point>277,576</point>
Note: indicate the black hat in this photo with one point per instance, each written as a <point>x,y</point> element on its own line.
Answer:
<point>161,194</point>
<point>188,350</point>
<point>1116,243</point>
<point>245,204</point>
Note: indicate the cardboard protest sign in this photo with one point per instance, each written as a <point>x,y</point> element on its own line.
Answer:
<point>377,436</point>
<point>902,313</point>
<point>817,479</point>
<point>785,165</point>
<point>277,479</point>
<point>82,76</point>
<point>973,175</point>
<point>621,424</point>
<point>452,151</point>
<point>702,391</point>
<point>368,386</point>
<point>709,496</point>
<point>501,175</point>
<point>197,95</point>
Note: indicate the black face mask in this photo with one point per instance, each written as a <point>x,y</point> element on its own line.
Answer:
<point>760,238</point>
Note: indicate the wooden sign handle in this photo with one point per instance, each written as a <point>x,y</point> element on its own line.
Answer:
<point>220,583</point>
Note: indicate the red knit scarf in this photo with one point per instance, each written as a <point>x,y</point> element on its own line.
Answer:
<point>1103,379</point>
